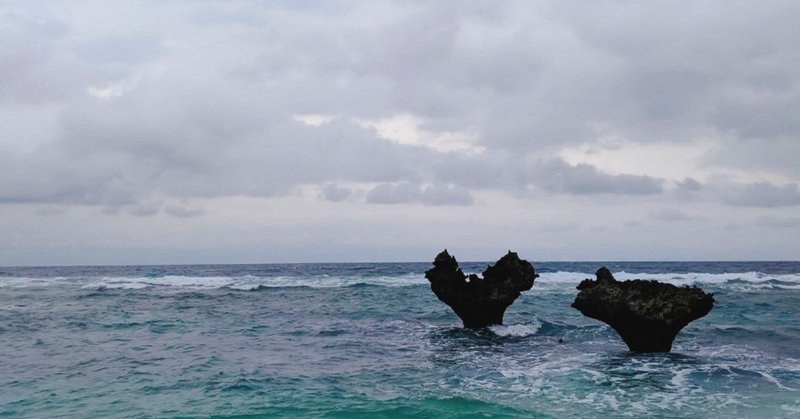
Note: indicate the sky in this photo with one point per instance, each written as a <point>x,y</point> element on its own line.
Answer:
<point>155,132</point>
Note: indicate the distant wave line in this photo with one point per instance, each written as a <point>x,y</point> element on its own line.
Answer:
<point>559,279</point>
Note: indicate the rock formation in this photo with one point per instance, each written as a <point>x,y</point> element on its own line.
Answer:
<point>646,314</point>
<point>480,302</point>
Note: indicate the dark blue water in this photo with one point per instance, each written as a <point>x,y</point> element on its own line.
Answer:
<point>371,340</point>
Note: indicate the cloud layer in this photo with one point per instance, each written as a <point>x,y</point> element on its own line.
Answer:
<point>161,109</point>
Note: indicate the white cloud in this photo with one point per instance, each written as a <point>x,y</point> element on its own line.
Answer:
<point>314,120</point>
<point>406,129</point>
<point>665,160</point>
<point>112,90</point>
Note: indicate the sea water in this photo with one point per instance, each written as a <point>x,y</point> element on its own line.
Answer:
<point>372,340</point>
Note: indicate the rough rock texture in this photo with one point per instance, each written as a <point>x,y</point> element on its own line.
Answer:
<point>480,302</point>
<point>646,314</point>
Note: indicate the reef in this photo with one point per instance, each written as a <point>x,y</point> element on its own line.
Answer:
<point>480,302</point>
<point>646,314</point>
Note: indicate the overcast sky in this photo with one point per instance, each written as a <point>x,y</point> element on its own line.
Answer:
<point>300,131</point>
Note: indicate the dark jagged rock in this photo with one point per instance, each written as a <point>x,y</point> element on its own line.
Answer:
<point>480,302</point>
<point>646,314</point>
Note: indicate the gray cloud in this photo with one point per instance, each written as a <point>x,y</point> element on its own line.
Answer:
<point>690,185</point>
<point>145,210</point>
<point>119,49</point>
<point>757,194</point>
<point>107,107</point>
<point>558,176</point>
<point>670,214</point>
<point>219,127</point>
<point>763,194</point>
<point>110,157</point>
<point>440,194</point>
<point>779,222</point>
<point>777,154</point>
<point>182,211</point>
<point>407,193</point>
<point>50,210</point>
<point>335,193</point>
<point>387,193</point>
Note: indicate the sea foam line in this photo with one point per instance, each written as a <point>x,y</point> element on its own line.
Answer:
<point>561,280</point>
<point>247,282</point>
<point>689,278</point>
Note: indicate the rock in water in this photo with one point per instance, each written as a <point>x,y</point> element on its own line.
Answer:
<point>646,314</point>
<point>480,302</point>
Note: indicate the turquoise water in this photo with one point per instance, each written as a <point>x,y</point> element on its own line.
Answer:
<point>371,340</point>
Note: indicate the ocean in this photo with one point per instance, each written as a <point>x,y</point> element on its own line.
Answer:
<point>371,340</point>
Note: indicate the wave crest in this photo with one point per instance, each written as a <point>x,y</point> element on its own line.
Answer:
<point>561,281</point>
<point>517,330</point>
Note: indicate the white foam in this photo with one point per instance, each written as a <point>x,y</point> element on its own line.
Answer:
<point>518,330</point>
<point>249,282</point>
<point>562,281</point>
<point>189,282</point>
<point>771,378</point>
<point>680,378</point>
<point>28,282</point>
<point>326,281</point>
<point>115,285</point>
<point>793,409</point>
<point>548,365</point>
<point>744,280</point>
<point>561,277</point>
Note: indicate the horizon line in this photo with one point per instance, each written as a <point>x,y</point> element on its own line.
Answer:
<point>388,262</point>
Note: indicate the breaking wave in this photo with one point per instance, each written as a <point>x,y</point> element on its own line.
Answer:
<point>548,281</point>
<point>517,330</point>
<point>738,280</point>
<point>242,283</point>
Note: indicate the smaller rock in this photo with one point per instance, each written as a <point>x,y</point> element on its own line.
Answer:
<point>646,314</point>
<point>480,302</point>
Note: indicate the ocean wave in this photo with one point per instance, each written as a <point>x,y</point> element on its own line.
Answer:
<point>752,279</point>
<point>638,382</point>
<point>133,283</point>
<point>548,281</point>
<point>239,283</point>
<point>31,282</point>
<point>517,330</point>
<point>327,282</point>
